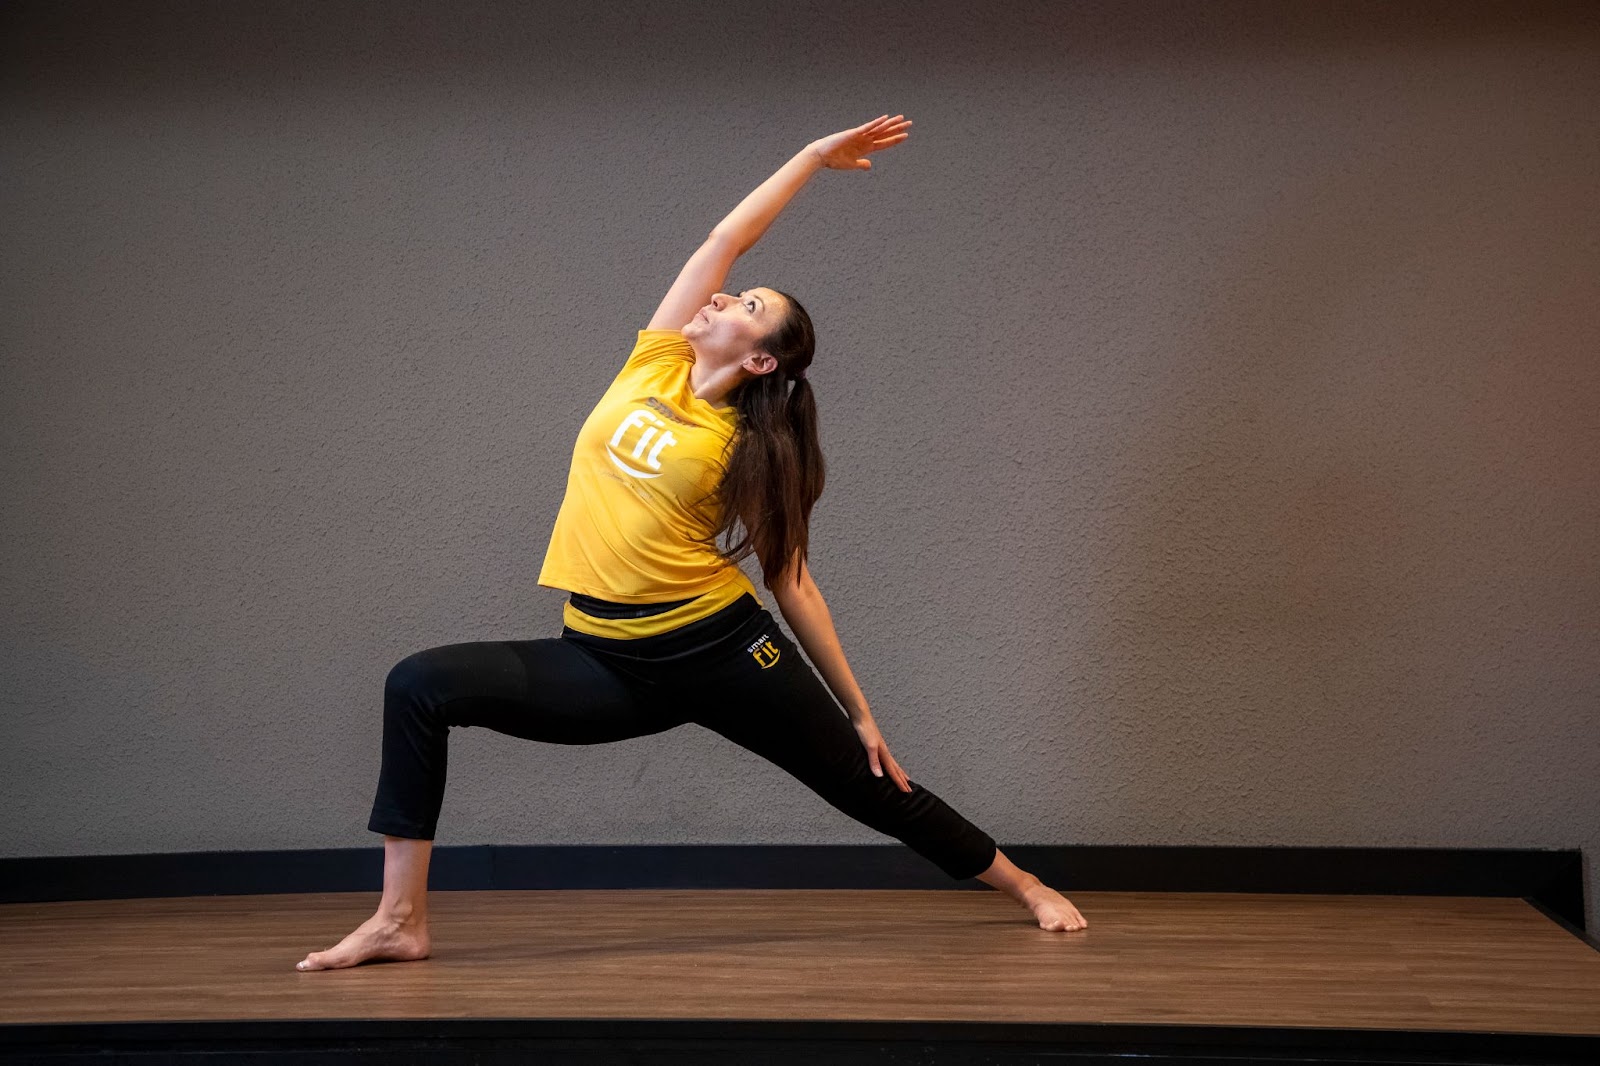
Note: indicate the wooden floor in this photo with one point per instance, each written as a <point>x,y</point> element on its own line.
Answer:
<point>1376,962</point>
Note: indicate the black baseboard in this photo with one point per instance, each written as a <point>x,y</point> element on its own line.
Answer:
<point>1550,879</point>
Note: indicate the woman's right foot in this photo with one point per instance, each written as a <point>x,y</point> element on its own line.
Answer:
<point>1053,910</point>
<point>381,937</point>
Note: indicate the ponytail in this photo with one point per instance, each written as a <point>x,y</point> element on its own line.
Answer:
<point>775,471</point>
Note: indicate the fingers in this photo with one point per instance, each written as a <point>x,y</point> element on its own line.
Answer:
<point>880,126</point>
<point>888,136</point>
<point>897,775</point>
<point>878,758</point>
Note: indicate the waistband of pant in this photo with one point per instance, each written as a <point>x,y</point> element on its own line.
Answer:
<point>597,608</point>
<point>692,638</point>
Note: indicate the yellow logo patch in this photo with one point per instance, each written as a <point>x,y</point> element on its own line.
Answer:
<point>764,651</point>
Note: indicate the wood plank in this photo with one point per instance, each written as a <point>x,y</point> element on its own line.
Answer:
<point>1384,962</point>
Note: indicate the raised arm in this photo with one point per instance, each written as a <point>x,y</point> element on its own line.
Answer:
<point>707,269</point>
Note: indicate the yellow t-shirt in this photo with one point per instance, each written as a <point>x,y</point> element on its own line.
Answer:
<point>636,522</point>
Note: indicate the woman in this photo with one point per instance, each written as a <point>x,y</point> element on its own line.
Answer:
<point>710,421</point>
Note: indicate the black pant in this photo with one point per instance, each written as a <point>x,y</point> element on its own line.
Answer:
<point>734,672</point>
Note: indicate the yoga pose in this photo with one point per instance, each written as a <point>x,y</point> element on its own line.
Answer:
<point>709,422</point>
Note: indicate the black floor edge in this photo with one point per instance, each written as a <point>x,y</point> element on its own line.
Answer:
<point>636,1039</point>
<point>1587,938</point>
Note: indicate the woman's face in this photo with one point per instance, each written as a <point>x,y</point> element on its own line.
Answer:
<point>728,328</point>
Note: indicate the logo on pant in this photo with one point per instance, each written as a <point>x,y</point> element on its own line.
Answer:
<point>764,651</point>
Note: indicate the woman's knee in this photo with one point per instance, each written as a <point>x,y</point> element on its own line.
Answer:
<point>430,668</point>
<point>410,675</point>
<point>420,681</point>
<point>878,801</point>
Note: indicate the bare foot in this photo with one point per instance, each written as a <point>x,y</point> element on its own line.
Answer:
<point>1052,909</point>
<point>380,937</point>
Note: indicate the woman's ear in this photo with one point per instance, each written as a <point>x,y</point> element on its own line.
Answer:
<point>759,363</point>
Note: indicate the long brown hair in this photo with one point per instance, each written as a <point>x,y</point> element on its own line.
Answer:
<point>775,472</point>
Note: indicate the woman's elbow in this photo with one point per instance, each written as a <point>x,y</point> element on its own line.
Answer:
<point>790,593</point>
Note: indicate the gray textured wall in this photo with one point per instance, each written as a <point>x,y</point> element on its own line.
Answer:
<point>1210,395</point>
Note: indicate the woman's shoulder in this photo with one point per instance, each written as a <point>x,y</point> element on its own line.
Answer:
<point>659,344</point>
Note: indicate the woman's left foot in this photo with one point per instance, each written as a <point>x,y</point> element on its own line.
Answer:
<point>1052,909</point>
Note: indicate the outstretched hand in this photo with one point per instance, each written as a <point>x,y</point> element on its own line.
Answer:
<point>846,149</point>
<point>878,754</point>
